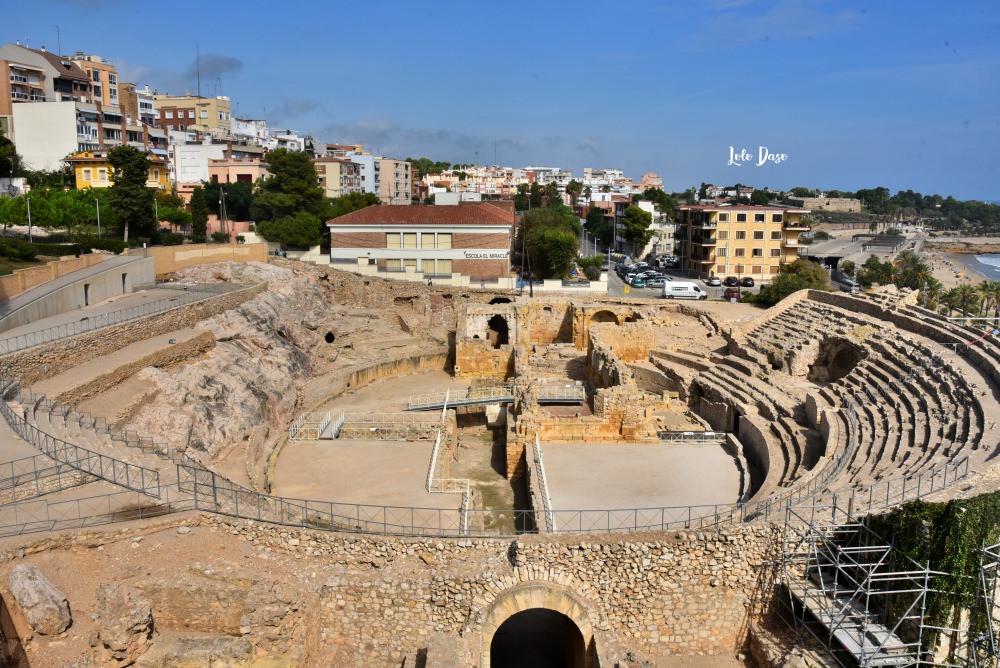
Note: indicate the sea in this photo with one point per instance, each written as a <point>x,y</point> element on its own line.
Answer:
<point>988,264</point>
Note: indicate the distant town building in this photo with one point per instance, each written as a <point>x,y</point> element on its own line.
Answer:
<point>103,77</point>
<point>191,112</point>
<point>737,240</point>
<point>845,204</point>
<point>471,239</point>
<point>394,187</point>
<point>338,176</point>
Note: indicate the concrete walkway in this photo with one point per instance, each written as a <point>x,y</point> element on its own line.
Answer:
<point>21,300</point>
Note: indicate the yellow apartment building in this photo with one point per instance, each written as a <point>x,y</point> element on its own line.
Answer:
<point>737,240</point>
<point>93,170</point>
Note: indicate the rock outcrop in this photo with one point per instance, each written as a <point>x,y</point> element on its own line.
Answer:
<point>124,621</point>
<point>44,606</point>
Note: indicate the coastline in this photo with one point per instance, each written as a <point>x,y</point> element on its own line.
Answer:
<point>954,269</point>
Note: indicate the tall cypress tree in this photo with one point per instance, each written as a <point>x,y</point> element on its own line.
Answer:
<point>199,213</point>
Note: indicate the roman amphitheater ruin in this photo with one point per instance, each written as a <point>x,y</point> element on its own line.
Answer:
<point>299,466</point>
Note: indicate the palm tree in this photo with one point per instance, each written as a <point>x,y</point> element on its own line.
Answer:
<point>990,297</point>
<point>965,296</point>
<point>949,300</point>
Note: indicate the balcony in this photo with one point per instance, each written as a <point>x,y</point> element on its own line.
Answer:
<point>706,224</point>
<point>706,241</point>
<point>791,243</point>
<point>17,78</point>
<point>17,95</point>
<point>796,227</point>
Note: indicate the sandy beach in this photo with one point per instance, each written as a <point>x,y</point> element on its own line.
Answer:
<point>956,268</point>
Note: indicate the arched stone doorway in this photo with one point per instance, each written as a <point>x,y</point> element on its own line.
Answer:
<point>500,300</point>
<point>498,331</point>
<point>604,316</point>
<point>537,638</point>
<point>538,624</point>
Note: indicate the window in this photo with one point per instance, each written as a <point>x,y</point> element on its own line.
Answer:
<point>739,252</point>
<point>444,266</point>
<point>741,234</point>
<point>775,235</point>
<point>190,113</point>
<point>203,114</point>
<point>776,217</point>
<point>758,235</point>
<point>102,175</point>
<point>168,114</point>
<point>393,240</point>
<point>757,269</point>
<point>87,174</point>
<point>427,240</point>
<point>410,265</point>
<point>720,269</point>
<point>112,78</point>
<point>741,218</point>
<point>410,240</point>
<point>738,269</point>
<point>427,266</point>
<point>156,175</point>
<point>393,265</point>
<point>444,240</point>
<point>775,252</point>
<point>758,252</point>
<point>758,218</point>
<point>723,217</point>
<point>722,235</point>
<point>721,252</point>
<point>774,270</point>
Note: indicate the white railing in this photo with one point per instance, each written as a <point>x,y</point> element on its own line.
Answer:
<point>487,394</point>
<point>562,393</point>
<point>543,487</point>
<point>308,426</point>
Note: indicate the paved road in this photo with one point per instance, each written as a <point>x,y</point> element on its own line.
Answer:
<point>616,287</point>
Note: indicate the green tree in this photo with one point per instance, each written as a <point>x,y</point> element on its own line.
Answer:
<point>291,189</point>
<point>801,192</point>
<point>299,230</point>
<point>341,206</point>
<point>592,266</point>
<point>989,292</point>
<point>239,197</point>
<point>199,213</point>
<point>535,195</point>
<point>798,275</point>
<point>522,200</point>
<point>636,231</point>
<point>550,241</point>
<point>131,200</point>
<point>876,271</point>
<point>600,227</point>
<point>760,198</point>
<point>847,267</point>
<point>573,189</point>
<point>10,162</point>
<point>424,166</point>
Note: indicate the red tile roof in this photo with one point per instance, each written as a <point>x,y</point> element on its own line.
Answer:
<point>416,214</point>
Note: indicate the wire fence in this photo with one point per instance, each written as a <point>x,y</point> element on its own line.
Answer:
<point>187,294</point>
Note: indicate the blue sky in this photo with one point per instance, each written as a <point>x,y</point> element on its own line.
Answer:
<point>856,94</point>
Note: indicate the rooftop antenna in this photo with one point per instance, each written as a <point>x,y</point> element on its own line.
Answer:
<point>59,40</point>
<point>197,61</point>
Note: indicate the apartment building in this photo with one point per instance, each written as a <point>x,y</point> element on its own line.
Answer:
<point>137,103</point>
<point>737,240</point>
<point>103,77</point>
<point>93,170</point>
<point>394,187</point>
<point>190,112</point>
<point>338,176</point>
<point>471,239</point>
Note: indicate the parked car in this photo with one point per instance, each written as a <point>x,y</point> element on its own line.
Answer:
<point>731,293</point>
<point>747,282</point>
<point>731,282</point>
<point>656,282</point>
<point>713,281</point>
<point>638,282</point>
<point>683,290</point>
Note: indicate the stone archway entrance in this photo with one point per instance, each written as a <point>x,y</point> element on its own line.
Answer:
<point>538,624</point>
<point>537,638</point>
<point>498,331</point>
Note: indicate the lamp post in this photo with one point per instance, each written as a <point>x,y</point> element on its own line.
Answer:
<point>97,202</point>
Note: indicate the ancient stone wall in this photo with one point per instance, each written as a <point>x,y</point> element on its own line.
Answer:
<point>35,364</point>
<point>546,323</point>
<point>33,489</point>
<point>631,341</point>
<point>476,358</point>
<point>173,354</point>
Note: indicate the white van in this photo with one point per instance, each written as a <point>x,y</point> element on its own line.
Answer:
<point>683,290</point>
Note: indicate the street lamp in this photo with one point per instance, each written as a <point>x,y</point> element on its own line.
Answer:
<point>98,204</point>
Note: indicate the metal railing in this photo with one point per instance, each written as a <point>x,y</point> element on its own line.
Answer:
<point>473,395</point>
<point>697,437</point>
<point>389,426</point>
<point>189,295</point>
<point>309,426</point>
<point>113,470</point>
<point>561,393</point>
<point>543,487</point>
<point>38,475</point>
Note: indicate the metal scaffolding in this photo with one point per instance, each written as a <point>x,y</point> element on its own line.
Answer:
<point>984,620</point>
<point>855,594</point>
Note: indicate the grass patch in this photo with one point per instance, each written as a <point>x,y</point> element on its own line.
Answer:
<point>8,266</point>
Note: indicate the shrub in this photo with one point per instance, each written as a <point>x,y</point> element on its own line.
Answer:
<point>15,249</point>
<point>220,237</point>
<point>197,238</point>
<point>55,250</point>
<point>171,239</point>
